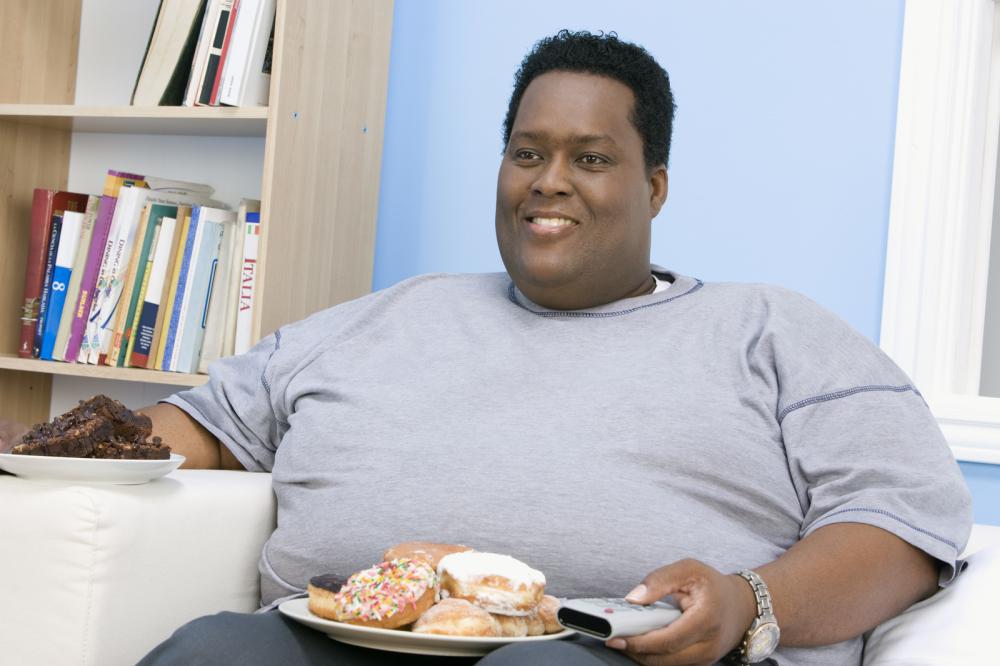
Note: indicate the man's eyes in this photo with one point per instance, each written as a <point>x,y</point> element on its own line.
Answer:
<point>588,159</point>
<point>526,155</point>
<point>591,159</point>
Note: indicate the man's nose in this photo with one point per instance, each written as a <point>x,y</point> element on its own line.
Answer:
<point>554,179</point>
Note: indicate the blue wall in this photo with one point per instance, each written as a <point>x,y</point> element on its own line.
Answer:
<point>782,158</point>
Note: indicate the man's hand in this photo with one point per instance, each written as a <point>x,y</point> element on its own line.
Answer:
<point>10,433</point>
<point>717,611</point>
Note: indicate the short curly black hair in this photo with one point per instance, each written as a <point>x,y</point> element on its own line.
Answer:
<point>606,55</point>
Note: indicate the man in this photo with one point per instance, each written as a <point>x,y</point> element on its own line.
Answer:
<point>617,426</point>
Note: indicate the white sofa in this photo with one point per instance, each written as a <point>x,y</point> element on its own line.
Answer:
<point>98,575</point>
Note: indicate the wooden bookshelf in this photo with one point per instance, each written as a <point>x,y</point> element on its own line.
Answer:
<point>322,135</point>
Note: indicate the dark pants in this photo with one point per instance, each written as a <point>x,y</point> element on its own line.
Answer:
<point>271,638</point>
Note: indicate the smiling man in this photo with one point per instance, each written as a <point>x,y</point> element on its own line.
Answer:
<point>616,425</point>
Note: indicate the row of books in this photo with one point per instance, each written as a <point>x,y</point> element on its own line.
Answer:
<point>208,53</point>
<point>151,274</point>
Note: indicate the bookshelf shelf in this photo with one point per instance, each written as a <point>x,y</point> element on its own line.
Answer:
<point>13,362</point>
<point>180,120</point>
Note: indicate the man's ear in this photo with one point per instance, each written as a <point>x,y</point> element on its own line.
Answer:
<point>658,185</point>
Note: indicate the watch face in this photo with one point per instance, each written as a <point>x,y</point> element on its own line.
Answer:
<point>763,642</point>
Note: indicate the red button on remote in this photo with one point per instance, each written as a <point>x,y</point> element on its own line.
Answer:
<point>609,610</point>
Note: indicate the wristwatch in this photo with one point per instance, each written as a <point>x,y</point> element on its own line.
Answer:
<point>762,637</point>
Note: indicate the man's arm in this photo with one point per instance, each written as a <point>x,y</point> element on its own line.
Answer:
<point>189,438</point>
<point>833,585</point>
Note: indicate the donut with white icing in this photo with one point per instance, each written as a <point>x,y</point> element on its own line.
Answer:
<point>499,584</point>
<point>389,595</point>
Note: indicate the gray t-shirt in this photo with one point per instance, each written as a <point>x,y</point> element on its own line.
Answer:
<point>722,422</point>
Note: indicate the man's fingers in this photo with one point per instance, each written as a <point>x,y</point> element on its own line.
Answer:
<point>685,631</point>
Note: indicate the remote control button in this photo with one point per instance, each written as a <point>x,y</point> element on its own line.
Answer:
<point>609,610</point>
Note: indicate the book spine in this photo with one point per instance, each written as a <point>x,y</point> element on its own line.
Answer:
<point>133,326</point>
<point>146,328</point>
<point>214,59</point>
<point>248,284</point>
<point>38,246</point>
<point>201,52</point>
<point>233,13</point>
<point>98,243</point>
<point>50,264</point>
<point>175,316</point>
<point>145,235</point>
<point>76,281</point>
<point>62,273</point>
<point>204,270</point>
<point>174,274</point>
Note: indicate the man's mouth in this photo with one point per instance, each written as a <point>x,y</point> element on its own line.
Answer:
<point>551,222</point>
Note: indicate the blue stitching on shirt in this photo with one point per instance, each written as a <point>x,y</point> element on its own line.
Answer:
<point>598,315</point>
<point>898,519</point>
<point>843,394</point>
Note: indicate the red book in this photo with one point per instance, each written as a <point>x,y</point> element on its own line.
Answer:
<point>44,205</point>
<point>225,50</point>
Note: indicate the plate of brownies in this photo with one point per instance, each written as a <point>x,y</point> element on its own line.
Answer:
<point>99,441</point>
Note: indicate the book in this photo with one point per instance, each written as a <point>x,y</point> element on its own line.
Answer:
<point>73,292</point>
<point>213,61</point>
<point>88,283</point>
<point>174,272</point>
<point>233,13</point>
<point>143,237</point>
<point>128,213</point>
<point>149,314</point>
<point>50,264</point>
<point>156,213</point>
<point>204,267</point>
<point>177,313</point>
<point>232,308</point>
<point>45,203</point>
<point>62,269</point>
<point>246,77</point>
<point>166,65</point>
<point>205,35</point>
<point>131,329</point>
<point>248,285</point>
<point>169,282</point>
<point>221,299</point>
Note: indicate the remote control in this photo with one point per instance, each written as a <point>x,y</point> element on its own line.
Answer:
<point>610,618</point>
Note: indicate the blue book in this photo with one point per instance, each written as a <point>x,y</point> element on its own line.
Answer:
<point>204,262</point>
<point>69,238</point>
<point>43,301</point>
<point>182,277</point>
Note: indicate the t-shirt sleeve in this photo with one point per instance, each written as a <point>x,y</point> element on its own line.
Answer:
<point>236,404</point>
<point>861,442</point>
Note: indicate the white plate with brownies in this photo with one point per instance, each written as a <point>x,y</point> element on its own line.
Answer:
<point>436,599</point>
<point>89,470</point>
<point>98,441</point>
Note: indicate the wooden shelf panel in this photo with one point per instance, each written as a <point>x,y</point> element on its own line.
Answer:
<point>182,120</point>
<point>13,362</point>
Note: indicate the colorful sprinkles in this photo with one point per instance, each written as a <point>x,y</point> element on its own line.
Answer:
<point>384,590</point>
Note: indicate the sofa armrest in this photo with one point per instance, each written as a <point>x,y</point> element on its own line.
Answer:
<point>100,574</point>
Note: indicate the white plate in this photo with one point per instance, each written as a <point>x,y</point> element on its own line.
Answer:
<point>88,470</point>
<point>396,640</point>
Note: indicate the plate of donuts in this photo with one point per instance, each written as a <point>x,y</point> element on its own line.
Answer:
<point>434,599</point>
<point>396,640</point>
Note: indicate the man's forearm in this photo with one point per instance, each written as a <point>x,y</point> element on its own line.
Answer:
<point>844,579</point>
<point>187,437</point>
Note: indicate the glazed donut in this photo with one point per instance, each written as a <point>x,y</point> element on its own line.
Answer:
<point>388,595</point>
<point>456,617</point>
<point>536,627</point>
<point>423,550</point>
<point>497,583</point>
<point>512,626</point>
<point>547,609</point>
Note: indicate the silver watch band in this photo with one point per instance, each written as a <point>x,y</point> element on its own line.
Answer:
<point>760,591</point>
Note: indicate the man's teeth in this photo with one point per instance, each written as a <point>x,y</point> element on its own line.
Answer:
<point>552,222</point>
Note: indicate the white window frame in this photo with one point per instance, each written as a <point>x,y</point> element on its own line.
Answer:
<point>941,214</point>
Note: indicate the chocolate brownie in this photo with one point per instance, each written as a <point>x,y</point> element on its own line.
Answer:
<point>97,428</point>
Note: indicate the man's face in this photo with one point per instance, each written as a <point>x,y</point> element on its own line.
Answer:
<point>574,197</point>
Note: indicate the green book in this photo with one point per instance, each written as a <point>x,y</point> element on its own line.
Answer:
<point>156,214</point>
